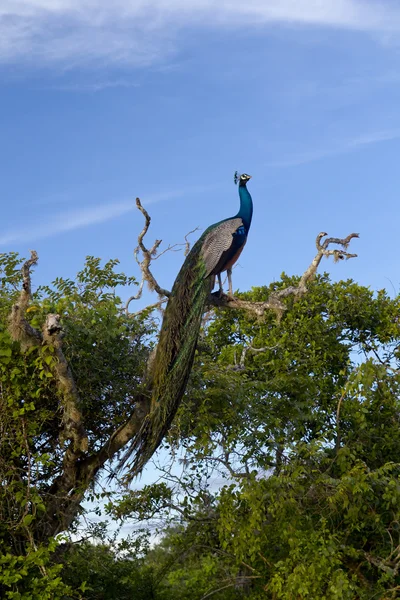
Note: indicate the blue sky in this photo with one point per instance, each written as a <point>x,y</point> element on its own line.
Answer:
<point>164,99</point>
<point>103,102</point>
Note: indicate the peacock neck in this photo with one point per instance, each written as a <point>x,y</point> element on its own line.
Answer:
<point>246,206</point>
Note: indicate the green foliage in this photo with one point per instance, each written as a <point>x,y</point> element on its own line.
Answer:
<point>290,483</point>
<point>106,351</point>
<point>306,433</point>
<point>33,575</point>
<point>102,572</point>
<point>144,503</point>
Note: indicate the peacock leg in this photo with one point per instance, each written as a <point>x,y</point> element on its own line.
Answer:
<point>221,291</point>
<point>229,273</point>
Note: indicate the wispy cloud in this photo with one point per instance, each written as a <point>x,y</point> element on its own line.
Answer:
<point>72,220</point>
<point>98,84</point>
<point>67,221</point>
<point>335,149</point>
<point>141,32</point>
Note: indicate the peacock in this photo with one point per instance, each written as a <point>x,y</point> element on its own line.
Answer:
<point>216,251</point>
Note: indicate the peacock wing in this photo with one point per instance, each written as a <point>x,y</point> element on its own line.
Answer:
<point>218,241</point>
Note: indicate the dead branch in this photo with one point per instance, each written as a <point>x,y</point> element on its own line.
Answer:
<point>389,565</point>
<point>19,327</point>
<point>216,300</point>
<point>224,460</point>
<point>147,256</point>
<point>337,444</point>
<point>239,366</point>
<point>274,302</point>
<point>187,243</point>
<point>236,582</point>
<point>149,307</point>
<point>124,433</point>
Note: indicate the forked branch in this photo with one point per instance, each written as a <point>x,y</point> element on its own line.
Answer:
<point>274,301</point>
<point>148,254</point>
<point>144,257</point>
<point>19,327</point>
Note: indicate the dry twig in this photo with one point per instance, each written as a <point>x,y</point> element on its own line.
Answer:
<point>149,255</point>
<point>144,264</point>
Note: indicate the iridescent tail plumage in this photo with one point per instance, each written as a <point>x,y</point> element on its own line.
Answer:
<point>174,355</point>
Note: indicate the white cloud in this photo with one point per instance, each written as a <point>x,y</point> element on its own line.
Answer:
<point>335,149</point>
<point>87,85</point>
<point>71,220</point>
<point>67,221</point>
<point>140,32</point>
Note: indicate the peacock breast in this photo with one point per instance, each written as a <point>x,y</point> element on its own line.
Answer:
<point>234,257</point>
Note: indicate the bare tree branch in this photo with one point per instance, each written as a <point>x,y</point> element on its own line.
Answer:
<point>274,303</point>
<point>187,243</point>
<point>337,444</point>
<point>148,255</point>
<point>123,434</point>
<point>389,565</point>
<point>258,309</point>
<point>149,307</point>
<point>19,327</point>
<point>239,366</point>
<point>237,582</point>
<point>224,460</point>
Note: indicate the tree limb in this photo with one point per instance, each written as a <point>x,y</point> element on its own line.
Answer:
<point>274,303</point>
<point>148,255</point>
<point>19,327</point>
<point>240,366</point>
<point>144,264</point>
<point>149,307</point>
<point>72,418</point>
<point>50,336</point>
<point>69,489</point>
<point>258,309</point>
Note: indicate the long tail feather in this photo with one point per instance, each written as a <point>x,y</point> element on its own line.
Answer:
<point>174,356</point>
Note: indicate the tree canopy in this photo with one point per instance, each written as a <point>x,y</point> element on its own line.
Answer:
<point>287,440</point>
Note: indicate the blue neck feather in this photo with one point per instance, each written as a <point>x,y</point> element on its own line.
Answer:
<point>246,205</point>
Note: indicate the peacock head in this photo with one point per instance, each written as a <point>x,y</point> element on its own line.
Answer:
<point>241,179</point>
